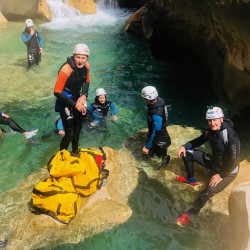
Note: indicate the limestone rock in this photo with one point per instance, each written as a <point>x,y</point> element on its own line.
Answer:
<point>239,212</point>
<point>105,209</point>
<point>3,20</point>
<point>85,6</point>
<point>15,10</point>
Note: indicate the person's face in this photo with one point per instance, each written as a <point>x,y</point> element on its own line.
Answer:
<point>102,99</point>
<point>214,124</point>
<point>30,28</point>
<point>80,60</point>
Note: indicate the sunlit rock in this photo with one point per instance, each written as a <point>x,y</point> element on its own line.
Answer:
<point>3,20</point>
<point>239,212</point>
<point>85,6</point>
<point>105,209</point>
<point>14,11</point>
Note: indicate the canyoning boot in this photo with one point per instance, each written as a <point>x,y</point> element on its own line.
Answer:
<point>183,220</point>
<point>31,133</point>
<point>190,181</point>
<point>165,161</point>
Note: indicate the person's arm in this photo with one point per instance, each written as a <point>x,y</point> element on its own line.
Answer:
<point>157,120</point>
<point>0,113</point>
<point>196,142</point>
<point>113,110</point>
<point>231,154</point>
<point>25,38</point>
<point>85,86</point>
<point>58,91</point>
<point>40,39</point>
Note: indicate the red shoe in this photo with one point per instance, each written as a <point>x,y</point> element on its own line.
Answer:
<point>184,179</point>
<point>183,220</point>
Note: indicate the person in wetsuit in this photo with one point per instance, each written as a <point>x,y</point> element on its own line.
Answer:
<point>6,120</point>
<point>34,43</point>
<point>71,90</point>
<point>223,163</point>
<point>101,108</point>
<point>158,139</point>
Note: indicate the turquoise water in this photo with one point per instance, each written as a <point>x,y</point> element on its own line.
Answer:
<point>123,65</point>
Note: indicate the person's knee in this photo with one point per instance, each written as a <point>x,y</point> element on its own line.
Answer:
<point>69,132</point>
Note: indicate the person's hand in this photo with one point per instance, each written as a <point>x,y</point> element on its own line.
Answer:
<point>145,150</point>
<point>82,99</point>
<point>79,106</point>
<point>32,31</point>
<point>114,117</point>
<point>4,115</point>
<point>41,50</point>
<point>215,180</point>
<point>181,152</point>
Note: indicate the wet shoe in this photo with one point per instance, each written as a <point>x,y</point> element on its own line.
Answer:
<point>183,220</point>
<point>165,161</point>
<point>31,133</point>
<point>190,181</point>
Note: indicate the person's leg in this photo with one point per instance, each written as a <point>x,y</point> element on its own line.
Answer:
<point>12,124</point>
<point>197,156</point>
<point>205,195</point>
<point>209,192</point>
<point>67,117</point>
<point>78,126</point>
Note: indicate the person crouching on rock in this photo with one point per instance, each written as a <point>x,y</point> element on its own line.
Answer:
<point>223,163</point>
<point>158,139</point>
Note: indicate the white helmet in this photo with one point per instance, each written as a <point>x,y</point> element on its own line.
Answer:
<point>150,93</point>
<point>214,113</point>
<point>29,23</point>
<point>81,49</point>
<point>100,91</point>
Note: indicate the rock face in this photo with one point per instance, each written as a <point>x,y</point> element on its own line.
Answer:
<point>105,209</point>
<point>239,211</point>
<point>3,20</point>
<point>15,10</point>
<point>214,33</point>
<point>85,6</point>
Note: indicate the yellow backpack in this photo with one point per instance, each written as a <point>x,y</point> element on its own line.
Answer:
<point>71,176</point>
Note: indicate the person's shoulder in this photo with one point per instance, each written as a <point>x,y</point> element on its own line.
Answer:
<point>87,65</point>
<point>66,69</point>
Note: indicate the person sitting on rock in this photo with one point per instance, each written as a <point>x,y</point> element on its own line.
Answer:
<point>223,163</point>
<point>101,108</point>
<point>6,120</point>
<point>158,138</point>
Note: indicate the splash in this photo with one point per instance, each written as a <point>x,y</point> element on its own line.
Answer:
<point>66,17</point>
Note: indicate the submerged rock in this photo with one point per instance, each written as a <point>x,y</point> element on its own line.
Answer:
<point>106,208</point>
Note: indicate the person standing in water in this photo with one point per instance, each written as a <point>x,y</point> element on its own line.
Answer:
<point>34,43</point>
<point>158,139</point>
<point>101,108</point>
<point>223,163</point>
<point>6,120</point>
<point>71,90</point>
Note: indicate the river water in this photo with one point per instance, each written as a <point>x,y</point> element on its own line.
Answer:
<point>123,65</point>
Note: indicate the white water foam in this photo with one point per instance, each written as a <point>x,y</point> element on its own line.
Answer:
<point>66,17</point>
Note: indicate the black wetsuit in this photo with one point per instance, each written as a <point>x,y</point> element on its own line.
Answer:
<point>224,160</point>
<point>67,94</point>
<point>159,139</point>
<point>11,123</point>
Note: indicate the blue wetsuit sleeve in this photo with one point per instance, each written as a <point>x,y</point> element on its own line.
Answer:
<point>91,110</point>
<point>59,125</point>
<point>40,39</point>
<point>0,113</point>
<point>25,38</point>
<point>113,110</point>
<point>157,120</point>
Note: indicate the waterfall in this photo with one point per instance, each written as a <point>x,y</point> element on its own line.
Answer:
<point>108,3</point>
<point>60,9</point>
